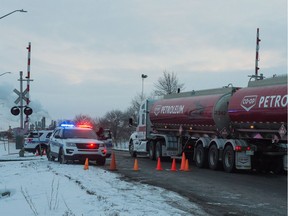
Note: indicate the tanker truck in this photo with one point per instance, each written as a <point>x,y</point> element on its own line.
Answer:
<point>229,127</point>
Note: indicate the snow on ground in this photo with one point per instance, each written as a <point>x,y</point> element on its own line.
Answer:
<point>32,185</point>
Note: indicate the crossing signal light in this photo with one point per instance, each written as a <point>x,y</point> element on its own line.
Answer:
<point>28,111</point>
<point>15,110</point>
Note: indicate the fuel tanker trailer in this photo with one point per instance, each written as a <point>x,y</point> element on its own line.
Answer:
<point>229,127</point>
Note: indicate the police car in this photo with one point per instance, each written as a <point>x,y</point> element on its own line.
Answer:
<point>37,141</point>
<point>71,142</point>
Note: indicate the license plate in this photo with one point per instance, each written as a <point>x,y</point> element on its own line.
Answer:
<point>249,152</point>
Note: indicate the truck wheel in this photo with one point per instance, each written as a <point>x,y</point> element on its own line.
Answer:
<point>213,157</point>
<point>131,149</point>
<point>101,161</point>
<point>229,159</point>
<point>201,157</point>
<point>61,156</point>
<point>158,151</point>
<point>151,151</point>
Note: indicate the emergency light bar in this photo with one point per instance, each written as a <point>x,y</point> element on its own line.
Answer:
<point>67,125</point>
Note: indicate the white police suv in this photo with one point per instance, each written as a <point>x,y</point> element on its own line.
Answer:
<point>37,141</point>
<point>71,142</point>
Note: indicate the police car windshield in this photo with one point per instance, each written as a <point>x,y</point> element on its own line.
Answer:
<point>78,133</point>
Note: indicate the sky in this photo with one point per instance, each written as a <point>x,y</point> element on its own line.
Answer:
<point>87,57</point>
<point>40,187</point>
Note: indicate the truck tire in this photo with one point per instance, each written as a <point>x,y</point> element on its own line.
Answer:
<point>228,159</point>
<point>200,156</point>
<point>213,157</point>
<point>151,151</point>
<point>101,161</point>
<point>61,157</point>
<point>131,149</point>
<point>158,150</point>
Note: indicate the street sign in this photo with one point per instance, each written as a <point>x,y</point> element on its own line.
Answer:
<point>19,96</point>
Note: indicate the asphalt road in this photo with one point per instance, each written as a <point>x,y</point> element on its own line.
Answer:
<point>217,192</point>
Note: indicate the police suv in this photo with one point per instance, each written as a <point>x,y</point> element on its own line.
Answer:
<point>71,142</point>
<point>37,141</point>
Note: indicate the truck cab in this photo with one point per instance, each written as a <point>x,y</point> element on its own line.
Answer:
<point>138,139</point>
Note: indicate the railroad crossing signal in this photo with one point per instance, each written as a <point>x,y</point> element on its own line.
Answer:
<point>16,110</point>
<point>19,96</point>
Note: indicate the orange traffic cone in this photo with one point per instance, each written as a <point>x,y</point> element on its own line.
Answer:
<point>136,168</point>
<point>113,163</point>
<point>159,167</point>
<point>186,166</point>
<point>44,151</point>
<point>183,161</point>
<point>86,165</point>
<point>173,167</point>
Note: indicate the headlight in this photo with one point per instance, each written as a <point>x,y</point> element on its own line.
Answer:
<point>70,144</point>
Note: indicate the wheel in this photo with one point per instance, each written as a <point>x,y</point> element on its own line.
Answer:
<point>158,150</point>
<point>201,157</point>
<point>49,155</point>
<point>61,156</point>
<point>101,161</point>
<point>229,159</point>
<point>151,151</point>
<point>131,149</point>
<point>213,157</point>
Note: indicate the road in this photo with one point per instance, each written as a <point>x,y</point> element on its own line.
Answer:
<point>219,193</point>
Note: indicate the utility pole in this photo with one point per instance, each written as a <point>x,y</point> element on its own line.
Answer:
<point>257,54</point>
<point>143,77</point>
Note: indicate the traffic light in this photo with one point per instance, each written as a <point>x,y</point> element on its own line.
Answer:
<point>15,110</point>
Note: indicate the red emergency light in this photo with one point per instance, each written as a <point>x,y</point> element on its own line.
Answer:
<point>84,126</point>
<point>91,145</point>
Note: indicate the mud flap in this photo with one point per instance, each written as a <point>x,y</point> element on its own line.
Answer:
<point>285,162</point>
<point>243,161</point>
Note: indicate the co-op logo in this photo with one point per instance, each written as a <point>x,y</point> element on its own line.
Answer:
<point>157,110</point>
<point>248,102</point>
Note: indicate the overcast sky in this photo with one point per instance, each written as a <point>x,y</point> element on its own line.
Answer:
<point>88,56</point>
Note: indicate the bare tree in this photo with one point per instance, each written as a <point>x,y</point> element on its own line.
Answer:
<point>84,119</point>
<point>135,104</point>
<point>167,84</point>
<point>114,121</point>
